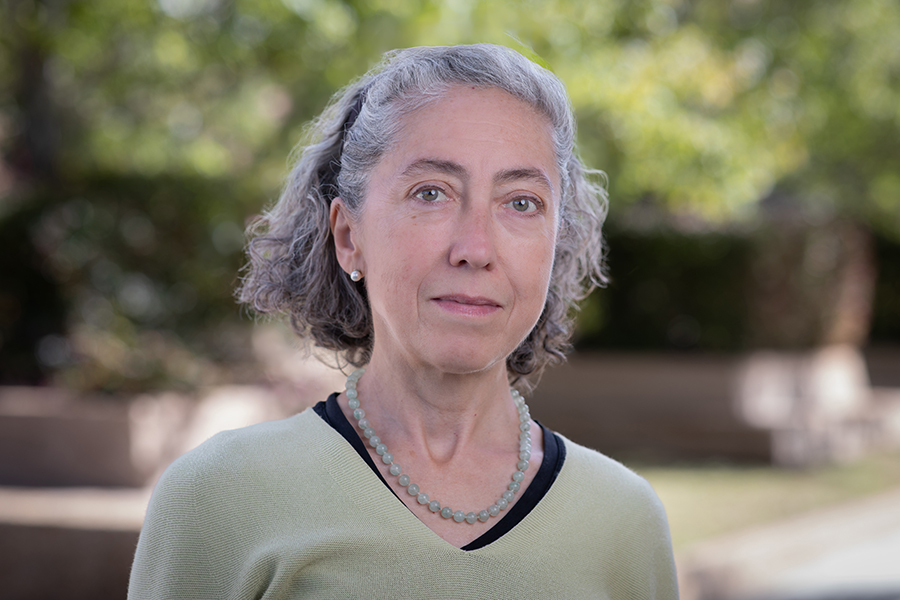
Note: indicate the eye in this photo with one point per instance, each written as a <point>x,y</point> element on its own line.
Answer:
<point>431,194</point>
<point>523,205</point>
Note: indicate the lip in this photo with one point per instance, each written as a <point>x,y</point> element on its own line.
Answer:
<point>467,305</point>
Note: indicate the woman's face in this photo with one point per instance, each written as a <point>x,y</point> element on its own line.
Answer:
<point>457,232</point>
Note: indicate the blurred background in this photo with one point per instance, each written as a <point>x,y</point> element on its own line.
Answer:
<point>745,357</point>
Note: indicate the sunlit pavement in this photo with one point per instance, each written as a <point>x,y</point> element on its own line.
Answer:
<point>848,552</point>
<point>865,571</point>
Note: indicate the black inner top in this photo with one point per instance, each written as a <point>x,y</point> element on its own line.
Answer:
<point>554,456</point>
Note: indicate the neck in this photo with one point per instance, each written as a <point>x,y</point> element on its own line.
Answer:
<point>436,413</point>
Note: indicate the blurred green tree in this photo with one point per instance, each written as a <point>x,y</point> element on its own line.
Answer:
<point>135,133</point>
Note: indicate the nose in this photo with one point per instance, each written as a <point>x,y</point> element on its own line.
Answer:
<point>473,241</point>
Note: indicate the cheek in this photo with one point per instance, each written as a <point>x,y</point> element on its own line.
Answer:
<point>397,259</point>
<point>542,254</point>
<point>543,283</point>
<point>534,268</point>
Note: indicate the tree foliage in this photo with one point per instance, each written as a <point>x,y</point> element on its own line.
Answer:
<point>702,107</point>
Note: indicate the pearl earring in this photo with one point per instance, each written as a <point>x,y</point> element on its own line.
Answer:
<point>356,275</point>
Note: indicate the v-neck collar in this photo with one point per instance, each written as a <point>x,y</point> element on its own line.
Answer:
<point>554,457</point>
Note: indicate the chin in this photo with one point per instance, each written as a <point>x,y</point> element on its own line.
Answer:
<point>467,367</point>
<point>462,360</point>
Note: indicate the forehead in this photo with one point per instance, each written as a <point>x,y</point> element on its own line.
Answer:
<point>483,128</point>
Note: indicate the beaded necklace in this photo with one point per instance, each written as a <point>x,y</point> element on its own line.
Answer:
<point>413,490</point>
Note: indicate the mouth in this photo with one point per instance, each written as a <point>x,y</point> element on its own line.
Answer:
<point>467,305</point>
<point>468,300</point>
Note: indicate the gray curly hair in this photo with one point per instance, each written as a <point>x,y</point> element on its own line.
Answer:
<point>292,264</point>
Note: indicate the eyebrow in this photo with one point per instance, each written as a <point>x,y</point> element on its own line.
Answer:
<point>512,175</point>
<point>449,167</point>
<point>431,164</point>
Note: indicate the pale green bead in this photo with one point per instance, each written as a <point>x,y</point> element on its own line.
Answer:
<point>395,469</point>
<point>508,495</point>
<point>413,489</point>
<point>459,516</point>
<point>446,512</point>
<point>522,465</point>
<point>434,506</point>
<point>471,518</point>
<point>363,423</point>
<point>403,480</point>
<point>525,455</point>
<point>522,427</point>
<point>494,510</point>
<point>359,413</point>
<point>353,403</point>
<point>502,503</point>
<point>351,392</point>
<point>369,433</point>
<point>380,449</point>
<point>387,458</point>
<point>374,440</point>
<point>483,515</point>
<point>514,486</point>
<point>422,498</point>
<point>518,476</point>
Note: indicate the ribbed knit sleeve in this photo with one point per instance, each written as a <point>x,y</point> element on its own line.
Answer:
<point>201,527</point>
<point>172,558</point>
<point>231,517</point>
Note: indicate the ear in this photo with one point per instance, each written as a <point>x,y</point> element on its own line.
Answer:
<point>346,248</point>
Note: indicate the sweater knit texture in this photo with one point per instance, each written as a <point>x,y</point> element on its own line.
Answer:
<point>288,509</point>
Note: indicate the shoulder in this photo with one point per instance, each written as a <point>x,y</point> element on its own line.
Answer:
<point>622,530</point>
<point>606,486</point>
<point>596,470</point>
<point>215,506</point>
<point>232,459</point>
<point>255,438</point>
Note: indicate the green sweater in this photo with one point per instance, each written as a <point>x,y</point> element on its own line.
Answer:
<point>288,509</point>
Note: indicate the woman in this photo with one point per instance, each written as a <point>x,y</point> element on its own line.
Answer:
<point>437,230</point>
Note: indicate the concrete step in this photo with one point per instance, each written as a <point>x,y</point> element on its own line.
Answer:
<point>75,543</point>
